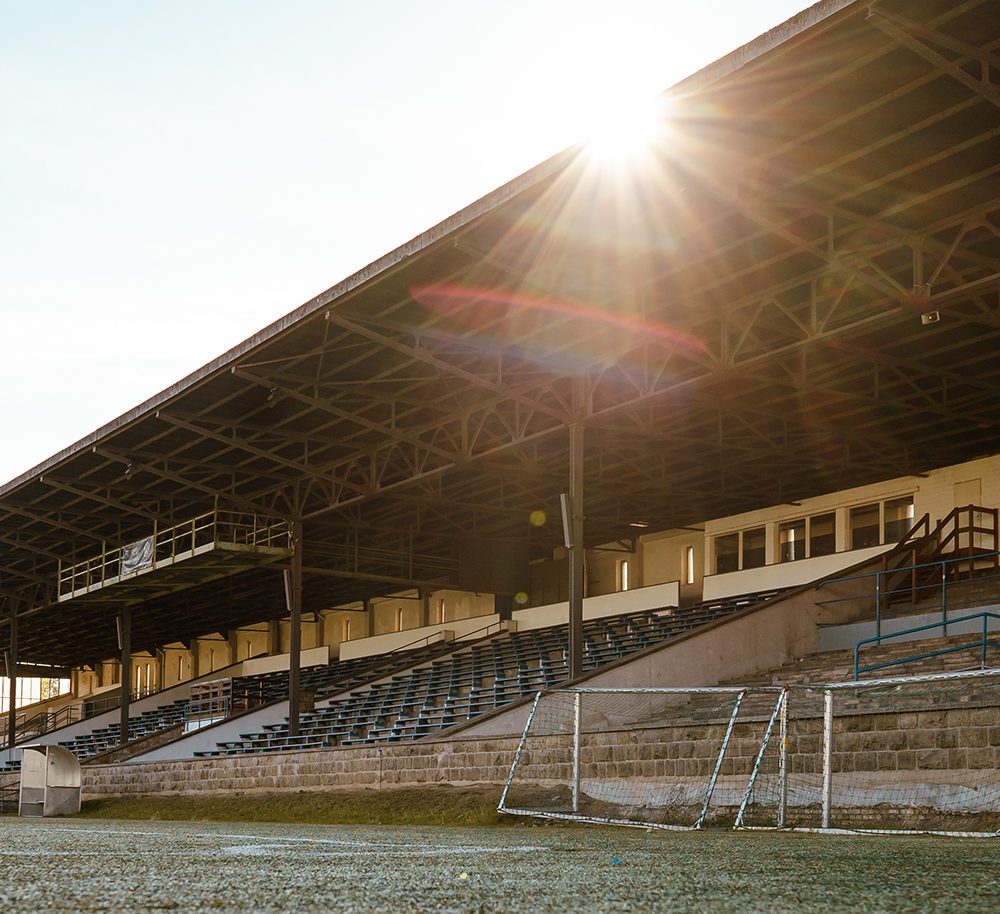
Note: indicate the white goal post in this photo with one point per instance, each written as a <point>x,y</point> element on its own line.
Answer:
<point>911,755</point>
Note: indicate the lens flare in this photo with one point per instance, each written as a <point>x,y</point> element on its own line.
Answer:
<point>627,133</point>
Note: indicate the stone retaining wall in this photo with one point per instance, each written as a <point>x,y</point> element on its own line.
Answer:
<point>452,763</point>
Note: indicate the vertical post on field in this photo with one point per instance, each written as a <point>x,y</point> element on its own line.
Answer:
<point>12,675</point>
<point>125,645</point>
<point>577,708</point>
<point>783,762</point>
<point>574,532</point>
<point>293,596</point>
<point>827,755</point>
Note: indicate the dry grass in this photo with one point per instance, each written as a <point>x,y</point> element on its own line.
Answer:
<point>427,806</point>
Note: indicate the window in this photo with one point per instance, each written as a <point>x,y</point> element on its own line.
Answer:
<point>807,537</point>
<point>742,550</point>
<point>792,540</point>
<point>881,522</point>
<point>399,619</point>
<point>898,516</point>
<point>754,551</point>
<point>345,630</point>
<point>864,526</point>
<point>439,611</point>
<point>822,534</point>
<point>727,553</point>
<point>623,581</point>
<point>689,564</point>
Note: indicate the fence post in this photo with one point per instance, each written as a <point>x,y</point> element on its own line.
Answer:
<point>827,755</point>
<point>878,603</point>
<point>577,707</point>
<point>783,763</point>
<point>944,599</point>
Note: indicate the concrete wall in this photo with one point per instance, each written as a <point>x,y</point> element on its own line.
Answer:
<point>788,574</point>
<point>381,644</point>
<point>612,604</point>
<point>314,656</point>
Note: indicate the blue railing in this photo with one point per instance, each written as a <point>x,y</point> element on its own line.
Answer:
<point>883,591</point>
<point>983,643</point>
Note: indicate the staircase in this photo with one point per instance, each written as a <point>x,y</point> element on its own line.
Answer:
<point>838,666</point>
<point>963,545</point>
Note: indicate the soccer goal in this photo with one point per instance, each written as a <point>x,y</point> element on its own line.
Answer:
<point>906,755</point>
<point>664,758</point>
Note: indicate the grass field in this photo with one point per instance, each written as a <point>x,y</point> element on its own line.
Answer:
<point>90,865</point>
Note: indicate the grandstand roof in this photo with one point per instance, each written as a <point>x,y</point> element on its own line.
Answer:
<point>744,311</point>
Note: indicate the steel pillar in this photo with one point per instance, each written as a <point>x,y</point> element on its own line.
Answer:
<point>125,645</point>
<point>12,676</point>
<point>576,574</point>
<point>295,634</point>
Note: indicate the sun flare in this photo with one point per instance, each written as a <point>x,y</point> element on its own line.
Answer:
<point>627,132</point>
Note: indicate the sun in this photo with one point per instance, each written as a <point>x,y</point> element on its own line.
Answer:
<point>627,132</point>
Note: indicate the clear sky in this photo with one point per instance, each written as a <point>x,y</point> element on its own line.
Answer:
<point>175,176</point>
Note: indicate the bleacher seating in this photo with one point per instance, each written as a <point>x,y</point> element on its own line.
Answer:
<point>444,683</point>
<point>472,681</point>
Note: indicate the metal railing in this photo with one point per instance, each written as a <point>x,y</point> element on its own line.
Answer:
<point>933,576</point>
<point>983,643</point>
<point>167,545</point>
<point>40,723</point>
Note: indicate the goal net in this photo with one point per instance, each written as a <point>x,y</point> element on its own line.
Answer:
<point>668,758</point>
<point>916,754</point>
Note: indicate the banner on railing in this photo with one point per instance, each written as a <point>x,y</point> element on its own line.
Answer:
<point>137,556</point>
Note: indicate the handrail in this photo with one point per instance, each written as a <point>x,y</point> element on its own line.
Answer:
<point>878,639</point>
<point>168,544</point>
<point>886,571</point>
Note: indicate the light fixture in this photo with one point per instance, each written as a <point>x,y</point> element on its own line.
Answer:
<point>639,524</point>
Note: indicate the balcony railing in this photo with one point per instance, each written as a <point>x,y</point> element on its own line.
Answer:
<point>167,545</point>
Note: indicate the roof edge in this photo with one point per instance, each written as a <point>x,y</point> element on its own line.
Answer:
<point>822,13</point>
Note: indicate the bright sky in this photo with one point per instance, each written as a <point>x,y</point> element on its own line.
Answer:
<point>175,176</point>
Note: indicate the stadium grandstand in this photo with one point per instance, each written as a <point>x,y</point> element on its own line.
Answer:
<point>729,418</point>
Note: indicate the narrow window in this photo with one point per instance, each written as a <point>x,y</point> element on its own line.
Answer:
<point>864,525</point>
<point>754,547</point>
<point>399,619</point>
<point>727,553</point>
<point>345,630</point>
<point>439,610</point>
<point>689,564</point>
<point>623,575</point>
<point>792,540</point>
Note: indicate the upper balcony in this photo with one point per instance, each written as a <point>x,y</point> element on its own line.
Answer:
<point>213,545</point>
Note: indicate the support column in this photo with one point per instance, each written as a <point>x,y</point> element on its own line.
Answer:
<point>295,635</point>
<point>425,608</point>
<point>274,637</point>
<point>12,675</point>
<point>233,640</point>
<point>125,643</point>
<point>576,571</point>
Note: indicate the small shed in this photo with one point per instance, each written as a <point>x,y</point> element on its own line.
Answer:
<point>50,782</point>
